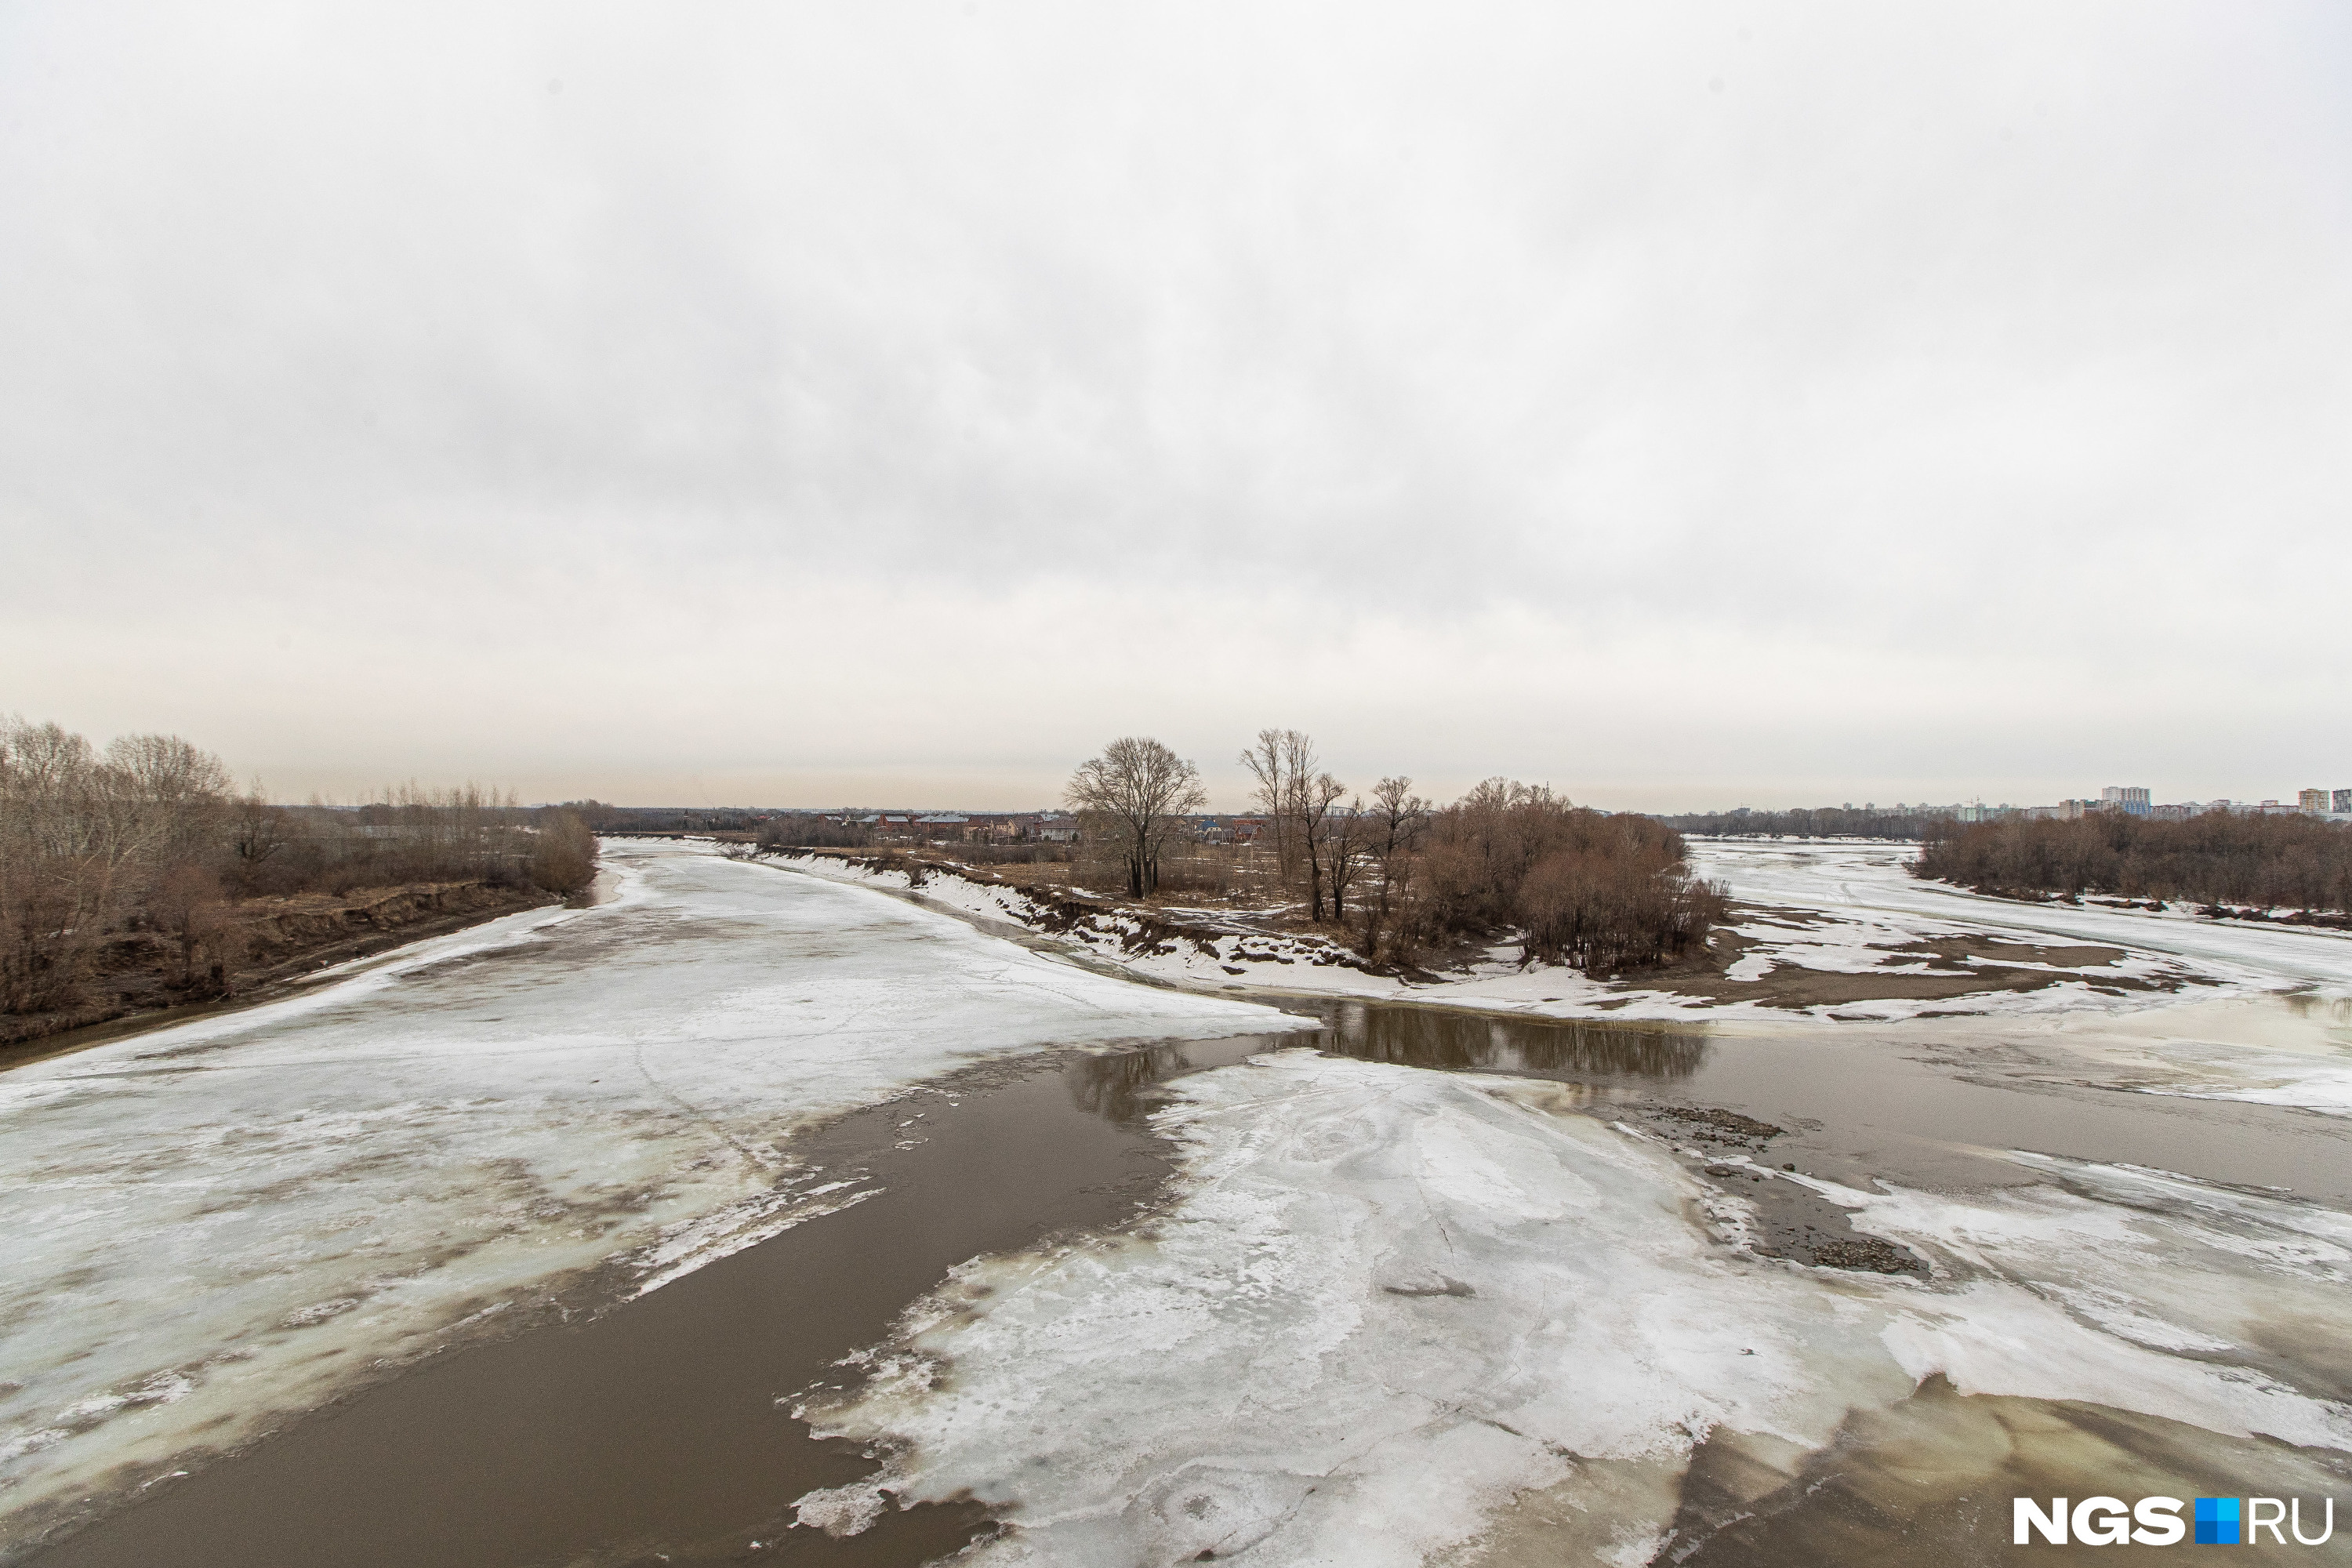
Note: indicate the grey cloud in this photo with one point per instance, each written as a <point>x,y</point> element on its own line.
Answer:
<point>1567,384</point>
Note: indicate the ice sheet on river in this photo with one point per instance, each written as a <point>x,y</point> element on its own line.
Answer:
<point>1869,881</point>
<point>232,1218</point>
<point>1390,1300</point>
<point>2271,1023</point>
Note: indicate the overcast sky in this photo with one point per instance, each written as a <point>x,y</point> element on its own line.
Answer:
<point>1683,405</point>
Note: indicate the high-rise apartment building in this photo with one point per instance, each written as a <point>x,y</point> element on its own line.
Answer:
<point>2130,800</point>
<point>2344,800</point>
<point>2312,800</point>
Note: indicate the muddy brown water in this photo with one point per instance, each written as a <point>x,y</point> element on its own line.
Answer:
<point>653,1433</point>
<point>657,1431</point>
<point>1860,1103</point>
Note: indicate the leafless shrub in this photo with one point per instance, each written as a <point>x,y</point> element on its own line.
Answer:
<point>563,857</point>
<point>1601,892</point>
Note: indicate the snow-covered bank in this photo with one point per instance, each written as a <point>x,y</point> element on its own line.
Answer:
<point>1217,945</point>
<point>212,1225</point>
<point>2185,1005</point>
<point>2269,1020</point>
<point>1838,932</point>
<point>1855,878</point>
<point>1389,1301</point>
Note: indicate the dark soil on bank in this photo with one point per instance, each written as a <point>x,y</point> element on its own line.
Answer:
<point>1972,965</point>
<point>138,981</point>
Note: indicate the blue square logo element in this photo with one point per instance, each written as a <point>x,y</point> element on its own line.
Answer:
<point>2217,1521</point>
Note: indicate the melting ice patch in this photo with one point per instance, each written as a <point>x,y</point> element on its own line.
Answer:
<point>215,1224</point>
<point>2275,1078</point>
<point>695,1243</point>
<point>1387,1301</point>
<point>1870,883</point>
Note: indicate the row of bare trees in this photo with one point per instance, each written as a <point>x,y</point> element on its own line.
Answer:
<point>1334,842</point>
<point>150,835</point>
<point>85,837</point>
<point>1401,875</point>
<point>2219,858</point>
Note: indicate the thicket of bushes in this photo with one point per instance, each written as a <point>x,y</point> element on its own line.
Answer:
<point>1403,881</point>
<point>149,835</point>
<point>2221,858</point>
<point>1580,887</point>
<point>1598,891</point>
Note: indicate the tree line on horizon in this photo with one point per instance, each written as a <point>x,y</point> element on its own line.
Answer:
<point>1400,876</point>
<point>151,835</point>
<point>2217,859</point>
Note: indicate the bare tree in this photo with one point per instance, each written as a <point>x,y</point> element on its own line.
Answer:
<point>49,877</point>
<point>256,830</point>
<point>1280,764</point>
<point>1393,831</point>
<point>1135,792</point>
<point>168,796</point>
<point>187,903</point>
<point>1316,798</point>
<point>1345,843</point>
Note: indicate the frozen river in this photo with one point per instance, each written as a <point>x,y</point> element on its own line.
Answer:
<point>213,1225</point>
<point>1529,1307</point>
<point>1845,878</point>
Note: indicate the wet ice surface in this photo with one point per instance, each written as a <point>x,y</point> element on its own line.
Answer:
<point>1866,884</point>
<point>1851,907</point>
<point>2268,1019</point>
<point>1388,1301</point>
<point>213,1224</point>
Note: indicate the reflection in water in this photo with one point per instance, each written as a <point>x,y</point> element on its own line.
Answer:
<point>2327,1009</point>
<point>1118,1086</point>
<point>1475,1042</point>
